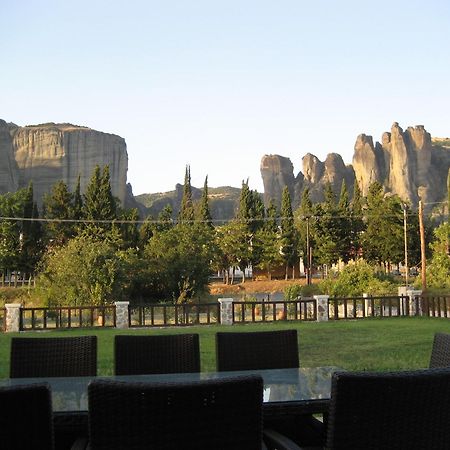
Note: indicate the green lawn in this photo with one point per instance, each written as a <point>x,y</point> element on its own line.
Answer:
<point>369,344</point>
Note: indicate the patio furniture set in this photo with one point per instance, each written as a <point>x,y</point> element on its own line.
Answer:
<point>159,399</point>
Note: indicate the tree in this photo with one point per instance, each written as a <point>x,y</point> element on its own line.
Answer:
<point>268,240</point>
<point>438,271</point>
<point>305,226</point>
<point>99,203</point>
<point>383,241</point>
<point>357,226</point>
<point>57,206</point>
<point>85,271</point>
<point>187,214</point>
<point>327,229</point>
<point>204,215</point>
<point>288,233</point>
<point>345,248</point>
<point>31,245</point>
<point>178,263</point>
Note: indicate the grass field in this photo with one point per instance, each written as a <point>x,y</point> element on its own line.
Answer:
<point>369,344</point>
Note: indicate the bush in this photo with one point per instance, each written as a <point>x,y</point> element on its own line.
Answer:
<point>357,279</point>
<point>85,272</point>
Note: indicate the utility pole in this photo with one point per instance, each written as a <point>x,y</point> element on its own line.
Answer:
<point>406,244</point>
<point>423,257</point>
<point>308,262</point>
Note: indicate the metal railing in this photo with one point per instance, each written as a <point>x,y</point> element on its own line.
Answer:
<point>274,311</point>
<point>436,306</point>
<point>170,314</point>
<point>67,317</point>
<point>361,307</point>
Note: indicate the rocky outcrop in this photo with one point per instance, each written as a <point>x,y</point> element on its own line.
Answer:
<point>45,154</point>
<point>407,163</point>
<point>8,167</point>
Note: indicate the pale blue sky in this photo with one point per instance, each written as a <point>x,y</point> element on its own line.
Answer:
<point>218,84</point>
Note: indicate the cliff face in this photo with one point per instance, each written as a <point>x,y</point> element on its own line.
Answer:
<point>51,152</point>
<point>407,163</point>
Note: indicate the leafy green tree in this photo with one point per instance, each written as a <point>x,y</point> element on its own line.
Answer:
<point>383,240</point>
<point>11,206</point>
<point>187,214</point>
<point>289,238</point>
<point>129,230</point>
<point>178,263</point>
<point>438,271</point>
<point>85,271</point>
<point>165,220</point>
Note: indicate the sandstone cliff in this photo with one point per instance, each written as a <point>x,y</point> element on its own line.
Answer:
<point>51,152</point>
<point>407,163</point>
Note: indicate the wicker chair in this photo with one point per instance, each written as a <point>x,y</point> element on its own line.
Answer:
<point>397,410</point>
<point>214,414</point>
<point>53,357</point>
<point>26,417</point>
<point>257,350</point>
<point>136,355</point>
<point>440,353</point>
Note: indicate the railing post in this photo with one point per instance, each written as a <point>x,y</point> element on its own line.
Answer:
<point>226,311</point>
<point>122,320</point>
<point>413,294</point>
<point>321,307</point>
<point>12,318</point>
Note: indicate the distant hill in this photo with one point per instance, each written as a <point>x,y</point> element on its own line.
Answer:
<point>223,201</point>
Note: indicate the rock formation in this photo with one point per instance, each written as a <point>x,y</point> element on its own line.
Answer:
<point>45,154</point>
<point>407,163</point>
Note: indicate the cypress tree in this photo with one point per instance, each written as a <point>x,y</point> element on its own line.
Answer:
<point>204,213</point>
<point>288,234</point>
<point>187,208</point>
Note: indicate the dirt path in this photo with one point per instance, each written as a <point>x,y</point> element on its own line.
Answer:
<point>251,287</point>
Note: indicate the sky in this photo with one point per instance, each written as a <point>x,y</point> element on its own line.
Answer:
<point>218,84</point>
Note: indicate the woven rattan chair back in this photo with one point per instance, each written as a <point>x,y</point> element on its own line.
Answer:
<point>401,410</point>
<point>178,353</point>
<point>53,357</point>
<point>257,350</point>
<point>440,353</point>
<point>26,418</point>
<point>213,414</point>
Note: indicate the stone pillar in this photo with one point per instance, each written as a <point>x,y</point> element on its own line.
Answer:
<point>226,311</point>
<point>12,318</point>
<point>366,304</point>
<point>122,319</point>
<point>412,294</point>
<point>321,307</point>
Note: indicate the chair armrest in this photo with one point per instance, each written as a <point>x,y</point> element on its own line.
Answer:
<point>277,441</point>
<point>80,444</point>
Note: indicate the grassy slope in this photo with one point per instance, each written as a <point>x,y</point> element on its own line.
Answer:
<point>370,344</point>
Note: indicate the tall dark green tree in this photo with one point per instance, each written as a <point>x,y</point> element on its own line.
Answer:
<point>58,207</point>
<point>187,214</point>
<point>305,226</point>
<point>357,225</point>
<point>77,201</point>
<point>268,239</point>
<point>31,244</point>
<point>289,238</point>
<point>204,214</point>
<point>99,203</point>
<point>344,220</point>
<point>327,229</point>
